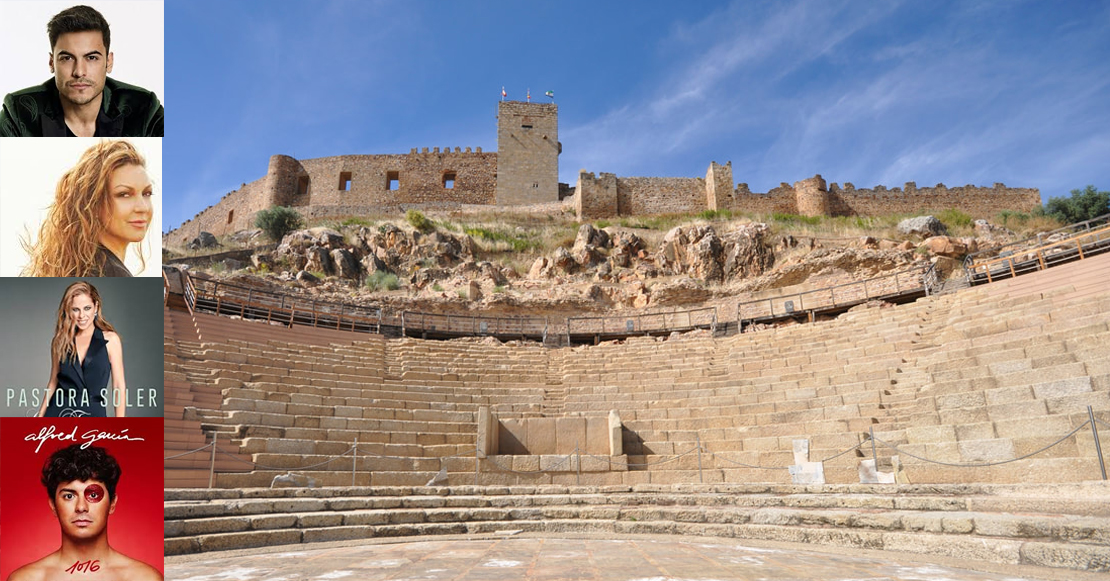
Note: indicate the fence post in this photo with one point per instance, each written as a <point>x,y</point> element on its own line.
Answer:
<point>354,461</point>
<point>578,464</point>
<point>874,454</point>
<point>212,463</point>
<point>1098,446</point>
<point>701,479</point>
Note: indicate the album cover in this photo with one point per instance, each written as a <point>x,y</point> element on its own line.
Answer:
<point>74,347</point>
<point>82,498</point>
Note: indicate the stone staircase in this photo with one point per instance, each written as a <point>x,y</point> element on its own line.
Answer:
<point>1059,526</point>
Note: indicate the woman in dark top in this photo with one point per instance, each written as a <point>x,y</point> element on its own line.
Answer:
<point>86,351</point>
<point>101,206</point>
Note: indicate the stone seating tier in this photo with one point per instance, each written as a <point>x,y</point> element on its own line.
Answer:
<point>1056,526</point>
<point>975,376</point>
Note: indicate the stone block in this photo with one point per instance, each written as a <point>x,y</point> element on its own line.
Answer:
<point>487,432</point>
<point>807,473</point>
<point>868,474</point>
<point>980,431</point>
<point>992,450</point>
<point>597,436</point>
<point>512,437</point>
<point>541,436</point>
<point>1062,387</point>
<point>615,433</point>
<point>1004,395</point>
<point>570,434</point>
<point>961,400</point>
<point>801,451</point>
<point>930,434</point>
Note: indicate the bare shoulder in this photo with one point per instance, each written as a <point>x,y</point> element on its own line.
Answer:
<point>35,571</point>
<point>111,337</point>
<point>127,569</point>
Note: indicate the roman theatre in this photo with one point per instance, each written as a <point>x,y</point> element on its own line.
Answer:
<point>897,428</point>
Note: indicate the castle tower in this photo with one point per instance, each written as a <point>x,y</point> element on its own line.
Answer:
<point>527,153</point>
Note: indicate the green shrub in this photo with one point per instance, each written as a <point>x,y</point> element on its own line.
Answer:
<point>356,221</point>
<point>953,218</point>
<point>419,221</point>
<point>602,224</point>
<point>516,243</point>
<point>710,215</point>
<point>277,221</point>
<point>382,280</point>
<point>1082,205</point>
<point>498,289</point>
<point>811,220</point>
<point>437,287</point>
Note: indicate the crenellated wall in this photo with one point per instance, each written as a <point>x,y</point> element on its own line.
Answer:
<point>978,201</point>
<point>808,197</point>
<point>525,171</point>
<point>352,185</point>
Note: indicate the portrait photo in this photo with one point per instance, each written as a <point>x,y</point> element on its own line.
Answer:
<point>69,61</point>
<point>83,498</point>
<point>66,341</point>
<point>51,224</point>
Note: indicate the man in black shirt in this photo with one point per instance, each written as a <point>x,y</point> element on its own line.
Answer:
<point>81,100</point>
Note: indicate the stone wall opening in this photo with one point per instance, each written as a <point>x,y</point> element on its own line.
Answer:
<point>345,181</point>
<point>393,180</point>
<point>448,180</point>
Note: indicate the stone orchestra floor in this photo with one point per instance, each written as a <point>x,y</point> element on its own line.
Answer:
<point>570,558</point>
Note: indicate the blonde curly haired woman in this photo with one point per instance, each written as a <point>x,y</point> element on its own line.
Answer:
<point>101,206</point>
<point>86,351</point>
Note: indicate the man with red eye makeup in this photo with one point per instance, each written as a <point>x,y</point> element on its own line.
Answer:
<point>81,484</point>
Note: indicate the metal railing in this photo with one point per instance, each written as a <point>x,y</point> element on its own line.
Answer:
<point>230,299</point>
<point>471,325</point>
<point>643,324</point>
<point>921,278</point>
<point>1074,242</point>
<point>236,300</point>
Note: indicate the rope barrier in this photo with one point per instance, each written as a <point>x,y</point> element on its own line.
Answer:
<point>329,460</point>
<point>835,456</point>
<point>285,468</point>
<point>714,455</point>
<point>204,447</point>
<point>631,464</point>
<point>982,464</point>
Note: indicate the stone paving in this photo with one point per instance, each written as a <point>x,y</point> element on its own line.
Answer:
<point>560,559</point>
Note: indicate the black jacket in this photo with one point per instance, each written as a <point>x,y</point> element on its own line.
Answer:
<point>126,111</point>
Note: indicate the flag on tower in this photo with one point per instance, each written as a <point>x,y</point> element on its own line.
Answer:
<point>550,94</point>
<point>529,97</point>
<point>503,93</point>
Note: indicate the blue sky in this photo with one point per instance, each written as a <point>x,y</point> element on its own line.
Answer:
<point>864,92</point>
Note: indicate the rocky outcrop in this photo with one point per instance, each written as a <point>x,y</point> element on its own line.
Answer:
<point>697,251</point>
<point>924,226</point>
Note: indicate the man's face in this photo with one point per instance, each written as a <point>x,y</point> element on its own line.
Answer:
<point>80,63</point>
<point>82,508</point>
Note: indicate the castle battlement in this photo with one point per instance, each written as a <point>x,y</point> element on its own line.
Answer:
<point>525,171</point>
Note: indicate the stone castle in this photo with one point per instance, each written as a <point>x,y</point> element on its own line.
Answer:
<point>525,171</point>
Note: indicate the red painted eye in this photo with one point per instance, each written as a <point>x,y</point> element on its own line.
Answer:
<point>94,493</point>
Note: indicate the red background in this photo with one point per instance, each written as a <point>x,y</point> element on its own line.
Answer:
<point>30,530</point>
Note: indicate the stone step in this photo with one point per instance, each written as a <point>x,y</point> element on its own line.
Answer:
<point>1063,527</point>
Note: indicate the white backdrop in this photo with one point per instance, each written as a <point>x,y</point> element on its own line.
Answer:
<point>137,41</point>
<point>29,172</point>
